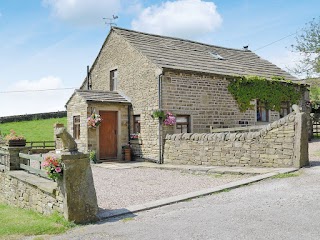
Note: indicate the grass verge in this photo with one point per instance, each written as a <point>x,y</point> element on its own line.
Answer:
<point>17,221</point>
<point>286,175</point>
<point>35,130</point>
<point>127,219</point>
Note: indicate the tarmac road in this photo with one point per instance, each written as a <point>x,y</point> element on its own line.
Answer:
<point>287,208</point>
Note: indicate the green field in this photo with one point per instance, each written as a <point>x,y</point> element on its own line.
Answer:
<point>20,222</point>
<point>35,130</point>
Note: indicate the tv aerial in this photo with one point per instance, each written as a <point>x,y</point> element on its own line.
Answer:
<point>110,21</point>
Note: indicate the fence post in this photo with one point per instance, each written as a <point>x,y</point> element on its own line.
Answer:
<point>57,141</point>
<point>77,187</point>
<point>301,153</point>
<point>13,160</point>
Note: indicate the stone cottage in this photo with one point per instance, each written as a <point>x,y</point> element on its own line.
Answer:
<point>137,73</point>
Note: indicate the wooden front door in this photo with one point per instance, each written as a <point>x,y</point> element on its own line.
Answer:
<point>108,135</point>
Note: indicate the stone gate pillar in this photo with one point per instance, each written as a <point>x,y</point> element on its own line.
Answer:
<point>77,187</point>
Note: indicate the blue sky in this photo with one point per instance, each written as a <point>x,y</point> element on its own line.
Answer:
<point>47,44</point>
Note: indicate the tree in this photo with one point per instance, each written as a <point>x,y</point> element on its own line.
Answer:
<point>308,45</point>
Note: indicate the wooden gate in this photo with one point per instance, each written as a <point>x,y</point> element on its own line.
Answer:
<point>315,117</point>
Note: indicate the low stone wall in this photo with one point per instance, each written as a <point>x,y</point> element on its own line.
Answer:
<point>18,188</point>
<point>73,195</point>
<point>283,143</point>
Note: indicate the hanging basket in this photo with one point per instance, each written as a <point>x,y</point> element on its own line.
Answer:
<point>94,121</point>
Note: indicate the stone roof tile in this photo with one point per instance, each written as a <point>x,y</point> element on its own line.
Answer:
<point>175,53</point>
<point>102,96</point>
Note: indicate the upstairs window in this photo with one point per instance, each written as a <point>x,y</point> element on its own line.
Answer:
<point>76,127</point>
<point>183,124</point>
<point>285,109</point>
<point>262,112</point>
<point>113,80</point>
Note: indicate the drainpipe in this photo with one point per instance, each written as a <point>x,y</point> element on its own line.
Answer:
<point>88,74</point>
<point>160,121</point>
<point>129,121</point>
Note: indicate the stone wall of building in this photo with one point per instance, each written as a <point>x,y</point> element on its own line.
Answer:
<point>23,190</point>
<point>206,99</point>
<point>137,80</point>
<point>283,143</point>
<point>77,106</point>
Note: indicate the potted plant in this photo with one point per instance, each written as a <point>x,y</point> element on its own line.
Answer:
<point>94,120</point>
<point>14,140</point>
<point>53,167</point>
<point>170,120</point>
<point>127,152</point>
<point>158,114</point>
<point>93,156</point>
<point>135,138</point>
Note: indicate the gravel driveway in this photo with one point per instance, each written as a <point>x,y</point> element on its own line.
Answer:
<point>120,188</point>
<point>273,209</point>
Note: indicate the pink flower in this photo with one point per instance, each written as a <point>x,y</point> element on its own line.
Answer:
<point>58,169</point>
<point>45,164</point>
<point>170,119</point>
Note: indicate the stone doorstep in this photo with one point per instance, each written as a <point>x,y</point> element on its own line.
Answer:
<point>167,201</point>
<point>39,182</point>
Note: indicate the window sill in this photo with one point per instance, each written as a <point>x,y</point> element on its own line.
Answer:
<point>136,141</point>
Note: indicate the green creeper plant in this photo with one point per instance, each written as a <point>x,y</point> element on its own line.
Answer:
<point>269,91</point>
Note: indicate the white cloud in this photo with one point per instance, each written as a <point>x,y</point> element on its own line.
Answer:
<point>181,18</point>
<point>286,60</point>
<point>83,12</point>
<point>49,82</point>
<point>36,101</point>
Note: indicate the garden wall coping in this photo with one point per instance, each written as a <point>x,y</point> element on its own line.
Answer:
<point>39,182</point>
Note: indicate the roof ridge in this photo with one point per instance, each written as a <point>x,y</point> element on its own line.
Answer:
<point>180,39</point>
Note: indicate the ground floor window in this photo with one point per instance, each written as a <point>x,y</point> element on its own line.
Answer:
<point>183,124</point>
<point>136,127</point>
<point>136,123</point>
<point>285,109</point>
<point>76,127</point>
<point>262,112</point>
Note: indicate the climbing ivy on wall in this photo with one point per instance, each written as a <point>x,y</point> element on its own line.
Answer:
<point>270,92</point>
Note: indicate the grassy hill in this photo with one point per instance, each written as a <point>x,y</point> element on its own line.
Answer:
<point>35,130</point>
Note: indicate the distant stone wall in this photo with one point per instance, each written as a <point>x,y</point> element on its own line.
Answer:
<point>29,117</point>
<point>27,191</point>
<point>283,143</point>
